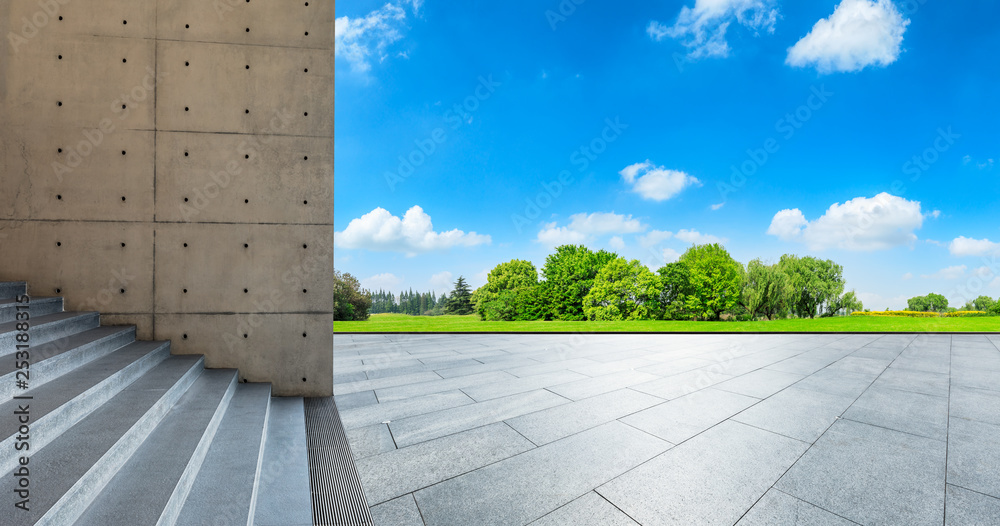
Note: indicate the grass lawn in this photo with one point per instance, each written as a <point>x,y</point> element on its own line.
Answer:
<point>404,323</point>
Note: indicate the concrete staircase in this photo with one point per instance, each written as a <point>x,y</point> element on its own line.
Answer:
<point>122,432</point>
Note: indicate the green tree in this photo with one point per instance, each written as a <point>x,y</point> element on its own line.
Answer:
<point>461,299</point>
<point>515,276</point>
<point>815,284</point>
<point>675,287</point>
<point>848,303</point>
<point>714,281</point>
<point>765,290</point>
<point>918,304</point>
<point>350,303</point>
<point>984,303</point>
<point>623,290</point>
<point>571,271</point>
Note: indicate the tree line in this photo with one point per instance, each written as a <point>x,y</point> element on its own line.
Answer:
<point>938,303</point>
<point>706,283</point>
<point>352,303</point>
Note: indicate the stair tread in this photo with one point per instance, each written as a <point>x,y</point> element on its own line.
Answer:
<point>141,489</point>
<point>47,328</point>
<point>57,467</point>
<point>284,496</point>
<point>38,307</point>
<point>51,396</point>
<point>224,488</point>
<point>61,346</point>
<point>9,289</point>
<point>55,317</point>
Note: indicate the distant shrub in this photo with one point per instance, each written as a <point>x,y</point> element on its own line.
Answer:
<point>922,314</point>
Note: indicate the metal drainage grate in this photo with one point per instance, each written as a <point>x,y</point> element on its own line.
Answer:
<point>337,496</point>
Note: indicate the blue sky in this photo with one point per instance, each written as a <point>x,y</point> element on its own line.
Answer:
<point>472,133</point>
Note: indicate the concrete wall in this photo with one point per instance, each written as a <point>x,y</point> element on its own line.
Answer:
<point>170,164</point>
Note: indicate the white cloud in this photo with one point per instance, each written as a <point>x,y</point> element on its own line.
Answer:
<point>554,236</point>
<point>859,33</point>
<point>616,243</point>
<point>670,255</point>
<point>358,39</point>
<point>381,231</point>
<point>953,272</point>
<point>908,276</point>
<point>697,238</point>
<point>605,223</point>
<point>381,281</point>
<point>995,284</point>
<point>442,282</point>
<point>864,224</point>
<point>717,206</point>
<point>965,246</point>
<point>654,237</point>
<point>656,183</point>
<point>702,28</point>
<point>583,227</point>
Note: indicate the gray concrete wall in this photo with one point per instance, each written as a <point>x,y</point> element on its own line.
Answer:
<point>170,164</point>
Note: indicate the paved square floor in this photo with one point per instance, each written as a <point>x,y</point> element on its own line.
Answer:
<point>674,429</point>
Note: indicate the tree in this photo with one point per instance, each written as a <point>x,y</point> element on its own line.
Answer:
<point>571,271</point>
<point>350,303</point>
<point>929,303</point>
<point>461,299</point>
<point>623,290</point>
<point>848,303</point>
<point>765,290</point>
<point>815,283</point>
<point>984,303</point>
<point>714,281</point>
<point>514,276</point>
<point>675,286</point>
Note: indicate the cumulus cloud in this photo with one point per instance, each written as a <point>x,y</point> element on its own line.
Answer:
<point>863,224</point>
<point>583,227</point>
<point>858,34</point>
<point>654,237</point>
<point>656,183</point>
<point>702,28</point>
<point>358,40</point>
<point>381,231</point>
<point>670,255</point>
<point>442,282</point>
<point>908,276</point>
<point>384,281</point>
<point>717,206</point>
<point>965,246</point>
<point>616,243</point>
<point>697,238</point>
<point>954,272</point>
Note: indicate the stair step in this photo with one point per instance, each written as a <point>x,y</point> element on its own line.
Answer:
<point>284,497</point>
<point>12,289</point>
<point>153,483</point>
<point>37,307</point>
<point>54,359</point>
<point>69,473</point>
<point>55,407</point>
<point>47,328</point>
<point>226,486</point>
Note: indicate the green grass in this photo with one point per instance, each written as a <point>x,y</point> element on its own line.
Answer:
<point>403,323</point>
